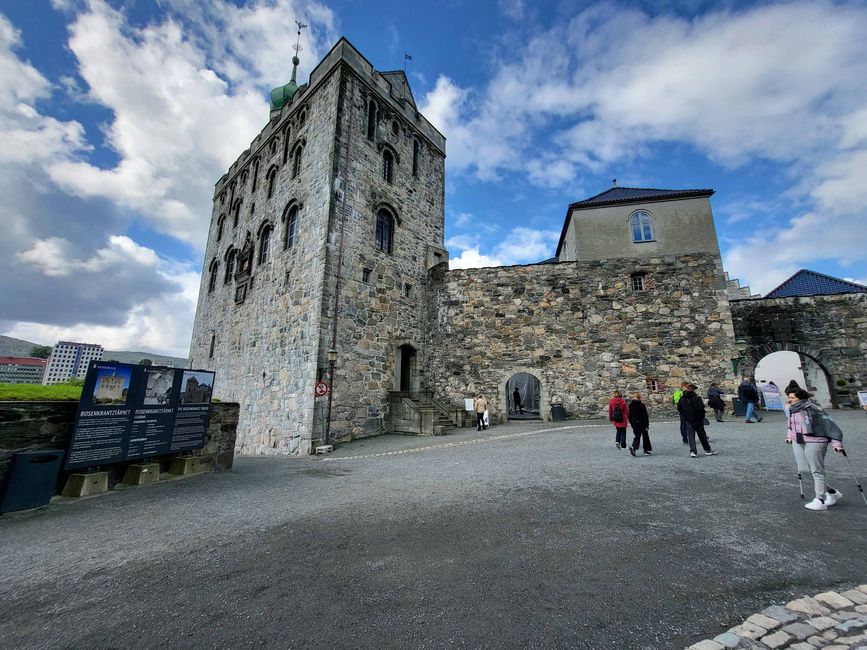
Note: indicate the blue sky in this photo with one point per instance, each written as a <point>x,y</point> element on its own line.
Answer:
<point>117,117</point>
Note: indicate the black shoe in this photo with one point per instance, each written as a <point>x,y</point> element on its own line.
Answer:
<point>760,419</point>
<point>632,450</point>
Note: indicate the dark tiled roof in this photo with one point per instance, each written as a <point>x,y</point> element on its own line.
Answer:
<point>632,194</point>
<point>625,195</point>
<point>811,283</point>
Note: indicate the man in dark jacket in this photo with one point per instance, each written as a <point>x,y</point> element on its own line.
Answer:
<point>715,401</point>
<point>640,423</point>
<point>692,409</point>
<point>749,395</point>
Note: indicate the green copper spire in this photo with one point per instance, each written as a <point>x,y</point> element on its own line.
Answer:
<point>282,95</point>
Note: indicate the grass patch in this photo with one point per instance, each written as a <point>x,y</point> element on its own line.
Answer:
<point>38,392</point>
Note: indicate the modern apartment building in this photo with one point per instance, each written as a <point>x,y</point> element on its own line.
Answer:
<point>21,370</point>
<point>69,360</point>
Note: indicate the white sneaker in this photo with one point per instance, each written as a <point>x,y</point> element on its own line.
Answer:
<point>816,504</point>
<point>832,499</point>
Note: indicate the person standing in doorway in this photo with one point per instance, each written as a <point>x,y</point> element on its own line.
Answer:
<point>684,425</point>
<point>618,414</point>
<point>516,400</point>
<point>691,407</point>
<point>715,401</point>
<point>481,405</point>
<point>749,395</point>
<point>810,445</point>
<point>639,420</point>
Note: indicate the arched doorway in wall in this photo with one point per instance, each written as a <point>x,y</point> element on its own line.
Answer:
<point>530,392</point>
<point>783,366</point>
<point>406,368</point>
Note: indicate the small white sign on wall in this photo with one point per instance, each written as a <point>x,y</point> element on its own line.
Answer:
<point>468,404</point>
<point>862,397</point>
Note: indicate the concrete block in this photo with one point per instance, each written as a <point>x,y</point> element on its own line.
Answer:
<point>184,465</point>
<point>85,485</point>
<point>141,474</point>
<point>324,449</point>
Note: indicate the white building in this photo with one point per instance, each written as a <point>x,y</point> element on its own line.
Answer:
<point>69,360</point>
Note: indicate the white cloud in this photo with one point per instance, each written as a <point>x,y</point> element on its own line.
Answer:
<point>520,246</point>
<point>471,258</point>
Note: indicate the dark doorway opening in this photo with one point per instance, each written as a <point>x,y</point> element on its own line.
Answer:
<point>407,367</point>
<point>524,405</point>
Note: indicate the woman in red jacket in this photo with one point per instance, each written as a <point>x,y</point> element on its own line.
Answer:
<point>618,413</point>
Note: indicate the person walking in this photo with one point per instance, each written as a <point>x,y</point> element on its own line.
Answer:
<point>516,401</point>
<point>481,405</point>
<point>749,395</point>
<point>692,408</point>
<point>715,401</point>
<point>810,445</point>
<point>684,425</point>
<point>618,414</point>
<point>639,420</point>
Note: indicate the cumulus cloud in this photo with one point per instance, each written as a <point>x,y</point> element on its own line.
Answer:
<point>520,246</point>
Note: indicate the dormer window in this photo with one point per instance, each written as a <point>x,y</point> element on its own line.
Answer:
<point>642,226</point>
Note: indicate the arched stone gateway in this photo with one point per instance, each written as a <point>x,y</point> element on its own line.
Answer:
<point>535,399</point>
<point>783,366</point>
<point>529,396</point>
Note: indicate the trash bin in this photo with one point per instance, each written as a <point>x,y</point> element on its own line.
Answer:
<point>32,479</point>
<point>558,413</point>
<point>739,408</point>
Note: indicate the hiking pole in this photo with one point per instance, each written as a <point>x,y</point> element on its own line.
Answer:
<point>854,475</point>
<point>801,484</point>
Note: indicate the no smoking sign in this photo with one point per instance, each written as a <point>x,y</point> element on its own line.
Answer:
<point>321,389</point>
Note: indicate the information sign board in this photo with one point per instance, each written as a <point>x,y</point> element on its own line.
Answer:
<point>129,411</point>
<point>773,397</point>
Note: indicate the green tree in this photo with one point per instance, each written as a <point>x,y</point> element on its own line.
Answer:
<point>145,362</point>
<point>40,351</point>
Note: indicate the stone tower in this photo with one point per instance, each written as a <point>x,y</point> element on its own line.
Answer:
<point>316,266</point>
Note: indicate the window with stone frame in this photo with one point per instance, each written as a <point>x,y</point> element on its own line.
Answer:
<point>407,290</point>
<point>387,166</point>
<point>214,270</point>
<point>231,256</point>
<point>654,385</point>
<point>291,219</point>
<point>272,179</point>
<point>272,145</point>
<point>642,226</point>
<point>236,213</point>
<point>415,155</point>
<point>264,243</point>
<point>638,281</point>
<point>395,127</point>
<point>286,132</point>
<point>220,223</point>
<point>255,173</point>
<point>213,343</point>
<point>244,175</point>
<point>371,120</point>
<point>296,160</point>
<point>302,118</point>
<point>384,230</point>
<point>365,275</point>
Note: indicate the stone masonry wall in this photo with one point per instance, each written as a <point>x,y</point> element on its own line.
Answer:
<point>581,330</point>
<point>31,426</point>
<point>376,316</point>
<point>831,330</point>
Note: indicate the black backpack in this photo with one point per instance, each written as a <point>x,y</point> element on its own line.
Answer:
<point>616,414</point>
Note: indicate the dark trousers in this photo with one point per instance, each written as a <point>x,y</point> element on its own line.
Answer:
<point>620,437</point>
<point>697,428</point>
<point>643,436</point>
<point>718,413</point>
<point>480,421</point>
<point>685,428</point>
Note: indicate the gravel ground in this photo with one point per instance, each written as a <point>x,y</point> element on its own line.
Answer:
<point>528,534</point>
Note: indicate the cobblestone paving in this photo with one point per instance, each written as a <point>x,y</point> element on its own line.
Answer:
<point>830,620</point>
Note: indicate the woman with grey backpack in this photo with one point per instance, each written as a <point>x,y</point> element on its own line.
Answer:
<point>810,431</point>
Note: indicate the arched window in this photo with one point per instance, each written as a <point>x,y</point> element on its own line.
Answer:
<point>415,154</point>
<point>220,223</point>
<point>642,226</point>
<point>213,343</point>
<point>291,227</point>
<point>384,230</point>
<point>395,128</point>
<point>387,165</point>
<point>214,269</point>
<point>231,255</point>
<point>296,161</point>
<point>236,213</point>
<point>264,243</point>
<point>272,177</point>
<point>244,175</point>
<point>255,173</point>
<point>286,133</point>
<point>302,118</point>
<point>272,146</point>
<point>371,120</point>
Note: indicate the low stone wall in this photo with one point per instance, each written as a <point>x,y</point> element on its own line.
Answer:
<point>31,426</point>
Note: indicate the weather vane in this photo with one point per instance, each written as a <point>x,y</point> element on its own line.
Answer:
<point>297,46</point>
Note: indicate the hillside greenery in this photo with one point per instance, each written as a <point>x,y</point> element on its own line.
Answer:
<point>38,392</point>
